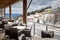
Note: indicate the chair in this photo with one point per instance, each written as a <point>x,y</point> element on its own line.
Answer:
<point>1,25</point>
<point>7,30</point>
<point>15,33</point>
<point>47,34</point>
<point>27,32</point>
<point>4,22</point>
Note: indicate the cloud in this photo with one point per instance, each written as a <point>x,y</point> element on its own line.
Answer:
<point>15,10</point>
<point>35,5</point>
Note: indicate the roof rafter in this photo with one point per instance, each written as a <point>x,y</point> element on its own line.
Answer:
<point>5,3</point>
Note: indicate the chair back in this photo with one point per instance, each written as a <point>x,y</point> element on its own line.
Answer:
<point>4,22</point>
<point>13,33</point>
<point>27,32</point>
<point>7,27</point>
<point>14,30</point>
<point>47,34</point>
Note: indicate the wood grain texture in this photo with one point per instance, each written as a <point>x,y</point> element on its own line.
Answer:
<point>5,3</point>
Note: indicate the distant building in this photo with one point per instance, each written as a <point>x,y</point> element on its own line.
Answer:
<point>48,10</point>
<point>57,10</point>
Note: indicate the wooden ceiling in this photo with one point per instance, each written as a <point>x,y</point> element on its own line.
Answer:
<point>5,3</point>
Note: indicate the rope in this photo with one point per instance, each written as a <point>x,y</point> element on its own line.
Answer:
<point>29,4</point>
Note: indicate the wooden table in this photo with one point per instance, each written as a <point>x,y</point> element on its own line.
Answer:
<point>20,27</point>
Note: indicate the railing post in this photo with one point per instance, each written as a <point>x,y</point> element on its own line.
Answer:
<point>46,27</point>
<point>10,12</point>
<point>34,28</point>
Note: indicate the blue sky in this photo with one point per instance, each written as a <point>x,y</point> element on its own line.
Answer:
<point>35,5</point>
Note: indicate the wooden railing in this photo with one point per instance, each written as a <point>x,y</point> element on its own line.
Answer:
<point>51,26</point>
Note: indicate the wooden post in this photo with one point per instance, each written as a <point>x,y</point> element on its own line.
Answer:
<point>10,13</point>
<point>24,11</point>
<point>4,13</point>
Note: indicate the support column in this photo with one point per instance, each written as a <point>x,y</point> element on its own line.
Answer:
<point>4,13</point>
<point>10,13</point>
<point>24,11</point>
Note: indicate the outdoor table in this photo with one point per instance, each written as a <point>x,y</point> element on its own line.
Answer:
<point>20,27</point>
<point>12,23</point>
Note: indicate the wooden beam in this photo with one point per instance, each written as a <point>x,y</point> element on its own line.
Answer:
<point>10,12</point>
<point>5,3</point>
<point>24,11</point>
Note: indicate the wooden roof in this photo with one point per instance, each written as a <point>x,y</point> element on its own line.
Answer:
<point>5,3</point>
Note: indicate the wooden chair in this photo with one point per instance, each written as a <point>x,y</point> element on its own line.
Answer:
<point>15,33</point>
<point>7,30</point>
<point>27,32</point>
<point>47,34</point>
<point>0,22</point>
<point>4,22</point>
<point>1,25</point>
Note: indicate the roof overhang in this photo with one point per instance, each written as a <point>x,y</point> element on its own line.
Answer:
<point>5,3</point>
